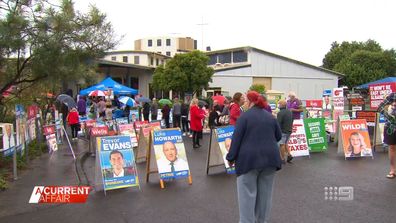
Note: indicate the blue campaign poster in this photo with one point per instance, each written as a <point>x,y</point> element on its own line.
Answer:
<point>117,162</point>
<point>170,154</point>
<point>224,138</point>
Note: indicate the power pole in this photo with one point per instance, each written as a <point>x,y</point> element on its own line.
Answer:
<point>202,24</point>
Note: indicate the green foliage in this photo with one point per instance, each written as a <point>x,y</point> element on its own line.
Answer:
<point>260,88</point>
<point>185,73</point>
<point>361,62</point>
<point>42,42</point>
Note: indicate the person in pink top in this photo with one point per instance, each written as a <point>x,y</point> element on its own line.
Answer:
<point>235,107</point>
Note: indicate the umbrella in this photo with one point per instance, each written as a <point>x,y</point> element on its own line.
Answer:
<point>219,98</point>
<point>67,100</point>
<point>97,93</point>
<point>202,103</point>
<point>127,101</point>
<point>143,99</point>
<point>165,101</point>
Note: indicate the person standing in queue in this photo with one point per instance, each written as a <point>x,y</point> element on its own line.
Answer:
<point>235,107</point>
<point>196,117</point>
<point>256,159</point>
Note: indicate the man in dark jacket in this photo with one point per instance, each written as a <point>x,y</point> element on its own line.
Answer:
<point>285,120</point>
<point>146,111</point>
<point>165,115</point>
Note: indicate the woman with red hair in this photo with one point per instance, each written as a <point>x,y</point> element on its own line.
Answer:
<point>255,153</point>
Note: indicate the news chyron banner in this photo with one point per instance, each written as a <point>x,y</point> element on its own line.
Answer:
<point>224,138</point>
<point>170,154</point>
<point>128,129</point>
<point>355,138</point>
<point>378,93</point>
<point>298,140</point>
<point>117,162</point>
<point>316,134</point>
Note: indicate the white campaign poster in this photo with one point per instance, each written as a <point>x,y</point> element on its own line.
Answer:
<point>298,140</point>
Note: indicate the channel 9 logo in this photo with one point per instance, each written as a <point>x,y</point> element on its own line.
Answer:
<point>338,193</point>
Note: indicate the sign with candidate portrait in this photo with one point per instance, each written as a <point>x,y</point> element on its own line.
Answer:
<point>127,129</point>
<point>327,101</point>
<point>355,138</point>
<point>51,143</point>
<point>298,140</point>
<point>117,162</point>
<point>122,121</point>
<point>170,154</point>
<point>134,116</point>
<point>20,123</point>
<point>316,134</point>
<point>8,139</point>
<point>224,139</point>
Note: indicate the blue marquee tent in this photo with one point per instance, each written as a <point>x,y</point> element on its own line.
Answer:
<point>109,83</point>
<point>385,80</point>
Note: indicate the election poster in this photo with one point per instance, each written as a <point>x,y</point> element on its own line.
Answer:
<point>127,129</point>
<point>20,121</point>
<point>111,126</point>
<point>224,138</point>
<point>134,116</point>
<point>138,125</point>
<point>314,108</point>
<point>99,131</point>
<point>51,143</point>
<point>327,101</point>
<point>378,93</point>
<point>355,138</point>
<point>316,134</point>
<point>298,141</point>
<point>370,117</point>
<point>170,154</point>
<point>338,99</point>
<point>122,121</point>
<point>8,139</point>
<point>117,162</point>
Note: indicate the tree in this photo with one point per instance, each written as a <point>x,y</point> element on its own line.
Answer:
<point>47,43</point>
<point>260,88</point>
<point>184,73</point>
<point>361,62</point>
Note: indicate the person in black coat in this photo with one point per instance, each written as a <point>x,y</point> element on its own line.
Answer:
<point>255,153</point>
<point>146,111</point>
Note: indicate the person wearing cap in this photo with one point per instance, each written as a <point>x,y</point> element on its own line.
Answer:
<point>255,153</point>
<point>294,105</point>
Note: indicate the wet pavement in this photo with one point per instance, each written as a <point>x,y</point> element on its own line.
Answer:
<point>298,194</point>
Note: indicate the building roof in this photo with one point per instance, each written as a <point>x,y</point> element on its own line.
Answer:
<point>119,64</point>
<point>247,48</point>
<point>136,51</point>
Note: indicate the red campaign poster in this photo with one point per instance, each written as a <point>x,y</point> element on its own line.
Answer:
<point>100,131</point>
<point>48,130</point>
<point>314,103</point>
<point>378,93</point>
<point>32,111</point>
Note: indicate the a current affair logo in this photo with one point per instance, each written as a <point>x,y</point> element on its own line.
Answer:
<point>59,194</point>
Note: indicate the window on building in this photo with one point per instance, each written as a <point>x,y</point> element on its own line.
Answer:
<point>150,43</point>
<point>225,57</point>
<point>168,42</point>
<point>239,56</point>
<point>157,62</point>
<point>113,58</point>
<point>136,60</point>
<point>125,59</point>
<point>151,61</point>
<point>159,42</point>
<point>212,59</point>
<point>168,53</point>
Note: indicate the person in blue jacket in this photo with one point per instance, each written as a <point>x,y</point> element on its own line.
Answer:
<point>255,153</point>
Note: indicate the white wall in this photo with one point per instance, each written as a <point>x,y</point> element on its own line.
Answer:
<point>305,88</point>
<point>232,83</point>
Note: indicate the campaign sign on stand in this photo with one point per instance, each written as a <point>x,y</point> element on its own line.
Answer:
<point>224,138</point>
<point>117,162</point>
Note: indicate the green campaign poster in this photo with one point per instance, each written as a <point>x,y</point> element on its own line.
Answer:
<point>316,134</point>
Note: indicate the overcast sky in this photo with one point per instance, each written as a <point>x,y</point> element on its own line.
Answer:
<point>299,29</point>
